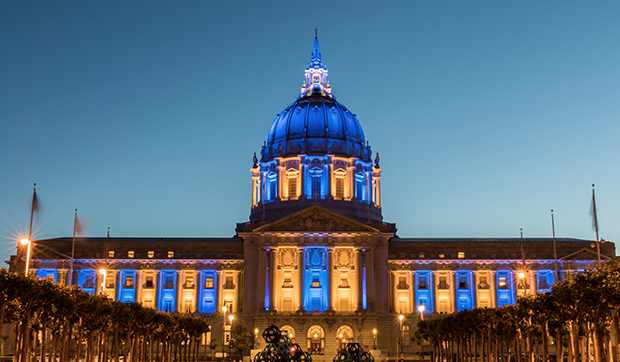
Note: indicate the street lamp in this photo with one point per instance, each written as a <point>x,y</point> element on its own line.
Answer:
<point>25,242</point>
<point>231,318</point>
<point>374,338</point>
<point>224,310</point>
<point>421,309</point>
<point>256,337</point>
<point>401,318</point>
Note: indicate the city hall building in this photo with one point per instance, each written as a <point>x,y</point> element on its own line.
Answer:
<point>315,257</point>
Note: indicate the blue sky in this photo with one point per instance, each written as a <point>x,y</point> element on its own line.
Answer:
<point>144,116</point>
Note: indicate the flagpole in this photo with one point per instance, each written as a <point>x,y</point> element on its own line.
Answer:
<point>595,222</point>
<point>555,246</point>
<point>75,215</point>
<point>33,206</point>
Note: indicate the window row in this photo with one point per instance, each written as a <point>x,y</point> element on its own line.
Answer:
<point>150,254</point>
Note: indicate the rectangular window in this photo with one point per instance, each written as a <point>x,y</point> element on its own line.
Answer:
<point>109,280</point>
<point>443,282</point>
<point>483,282</point>
<point>89,282</point>
<point>340,188</point>
<point>423,283</point>
<point>292,187</point>
<point>316,187</point>
<point>402,283</point>
<point>168,282</point>
<point>189,282</point>
<point>209,283</point>
<point>461,255</point>
<point>288,281</point>
<point>129,281</point>
<point>131,254</point>
<point>462,282</point>
<point>228,283</point>
<point>110,253</point>
<point>151,254</point>
<point>502,284</point>
<point>148,283</point>
<point>315,282</point>
<point>170,254</point>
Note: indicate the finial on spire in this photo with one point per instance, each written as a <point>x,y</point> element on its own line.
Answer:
<point>377,160</point>
<point>316,81</point>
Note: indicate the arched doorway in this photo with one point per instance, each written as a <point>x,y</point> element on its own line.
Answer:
<point>344,334</point>
<point>316,340</point>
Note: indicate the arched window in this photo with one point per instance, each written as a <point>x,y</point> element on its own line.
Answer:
<point>272,186</point>
<point>360,186</point>
<point>316,340</point>
<point>344,334</point>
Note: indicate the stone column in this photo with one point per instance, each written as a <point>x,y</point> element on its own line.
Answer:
<point>330,287</point>
<point>370,282</point>
<point>361,278</point>
<point>261,276</point>
<point>301,268</point>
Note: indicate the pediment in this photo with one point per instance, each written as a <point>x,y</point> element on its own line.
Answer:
<point>316,219</point>
<point>583,254</point>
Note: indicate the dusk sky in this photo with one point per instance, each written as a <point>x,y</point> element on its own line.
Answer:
<point>145,116</point>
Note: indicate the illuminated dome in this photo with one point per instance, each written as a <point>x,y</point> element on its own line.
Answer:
<point>316,124</point>
<point>316,154</point>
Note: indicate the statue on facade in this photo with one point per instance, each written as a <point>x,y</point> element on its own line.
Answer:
<point>280,348</point>
<point>353,352</point>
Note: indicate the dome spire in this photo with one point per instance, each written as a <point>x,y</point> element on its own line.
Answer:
<point>315,76</point>
<point>316,50</point>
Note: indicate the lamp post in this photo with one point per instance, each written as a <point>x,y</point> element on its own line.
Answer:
<point>374,338</point>
<point>401,318</point>
<point>421,309</point>
<point>231,318</point>
<point>256,338</point>
<point>224,310</point>
<point>25,242</point>
<point>102,273</point>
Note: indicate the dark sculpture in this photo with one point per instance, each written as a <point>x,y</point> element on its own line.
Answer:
<point>279,348</point>
<point>353,352</point>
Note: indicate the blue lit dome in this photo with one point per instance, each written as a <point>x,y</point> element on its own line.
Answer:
<point>316,154</point>
<point>316,124</point>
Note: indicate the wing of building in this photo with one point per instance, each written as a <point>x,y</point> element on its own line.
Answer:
<point>316,256</point>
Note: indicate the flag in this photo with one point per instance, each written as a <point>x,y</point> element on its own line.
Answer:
<point>35,200</point>
<point>594,213</point>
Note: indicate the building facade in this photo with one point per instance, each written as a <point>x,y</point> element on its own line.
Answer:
<point>315,257</point>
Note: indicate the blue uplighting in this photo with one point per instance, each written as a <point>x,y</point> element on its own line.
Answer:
<point>465,296</point>
<point>316,177</point>
<point>207,293</point>
<point>87,280</point>
<point>167,291</point>
<point>424,288</point>
<point>504,286</point>
<point>316,283</point>
<point>48,274</point>
<point>127,286</point>
<point>544,280</point>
